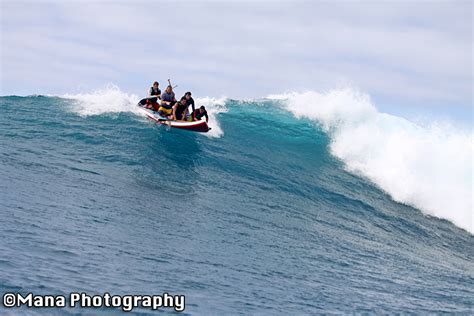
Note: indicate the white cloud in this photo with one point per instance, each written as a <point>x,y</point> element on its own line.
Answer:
<point>400,50</point>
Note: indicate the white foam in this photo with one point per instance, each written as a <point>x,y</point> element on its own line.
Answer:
<point>107,100</point>
<point>429,167</point>
<point>213,106</point>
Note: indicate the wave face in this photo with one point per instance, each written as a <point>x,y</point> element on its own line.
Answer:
<point>300,203</point>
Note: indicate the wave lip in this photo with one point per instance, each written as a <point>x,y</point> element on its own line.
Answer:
<point>428,167</point>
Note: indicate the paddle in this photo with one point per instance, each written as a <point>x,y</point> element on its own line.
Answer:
<point>169,83</point>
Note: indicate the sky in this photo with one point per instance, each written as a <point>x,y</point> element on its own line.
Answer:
<point>411,57</point>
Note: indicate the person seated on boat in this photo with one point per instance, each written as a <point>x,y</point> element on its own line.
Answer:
<point>154,90</point>
<point>180,110</point>
<point>167,101</point>
<point>151,103</point>
<point>189,102</point>
<point>199,114</point>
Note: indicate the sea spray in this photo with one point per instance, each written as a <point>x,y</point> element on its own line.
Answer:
<point>106,100</point>
<point>214,106</point>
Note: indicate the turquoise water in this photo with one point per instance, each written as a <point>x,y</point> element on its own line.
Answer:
<point>262,220</point>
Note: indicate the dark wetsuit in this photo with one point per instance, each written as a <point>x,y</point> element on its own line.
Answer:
<point>154,91</point>
<point>198,115</point>
<point>180,109</point>
<point>152,101</point>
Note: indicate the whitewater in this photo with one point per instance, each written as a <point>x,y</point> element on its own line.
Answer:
<point>297,203</point>
<point>428,167</point>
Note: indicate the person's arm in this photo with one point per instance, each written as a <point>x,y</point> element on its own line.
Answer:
<point>165,102</point>
<point>192,105</point>
<point>174,111</point>
<point>207,117</point>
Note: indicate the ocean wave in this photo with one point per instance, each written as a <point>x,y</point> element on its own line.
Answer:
<point>428,166</point>
<point>425,166</point>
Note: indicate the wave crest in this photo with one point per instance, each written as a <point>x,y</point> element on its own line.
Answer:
<point>428,167</point>
<point>107,100</point>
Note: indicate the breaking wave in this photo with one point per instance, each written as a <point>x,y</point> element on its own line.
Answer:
<point>428,167</point>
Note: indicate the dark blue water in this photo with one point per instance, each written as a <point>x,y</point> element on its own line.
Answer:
<point>260,221</point>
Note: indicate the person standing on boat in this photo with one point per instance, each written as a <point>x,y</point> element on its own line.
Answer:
<point>152,103</point>
<point>180,110</point>
<point>167,101</point>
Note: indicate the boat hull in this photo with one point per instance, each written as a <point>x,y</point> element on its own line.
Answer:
<point>194,126</point>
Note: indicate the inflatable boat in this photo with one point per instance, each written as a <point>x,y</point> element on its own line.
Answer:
<point>195,126</point>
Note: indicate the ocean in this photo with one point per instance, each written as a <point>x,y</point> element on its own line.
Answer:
<point>293,204</point>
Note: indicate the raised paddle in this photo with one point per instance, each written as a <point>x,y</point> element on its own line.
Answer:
<point>169,83</point>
